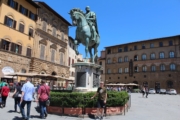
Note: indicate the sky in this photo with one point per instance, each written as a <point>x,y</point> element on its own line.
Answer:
<point>125,21</point>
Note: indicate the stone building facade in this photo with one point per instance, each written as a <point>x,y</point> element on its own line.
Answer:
<point>154,63</point>
<point>17,24</point>
<point>50,44</point>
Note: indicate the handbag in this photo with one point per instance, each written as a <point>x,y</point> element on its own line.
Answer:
<point>16,94</point>
<point>47,101</point>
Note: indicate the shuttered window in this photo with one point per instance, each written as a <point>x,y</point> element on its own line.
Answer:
<point>21,27</point>
<point>5,45</point>
<point>42,51</point>
<point>9,22</point>
<point>16,48</point>
<point>28,52</point>
<point>31,32</point>
<point>13,4</point>
<point>23,10</point>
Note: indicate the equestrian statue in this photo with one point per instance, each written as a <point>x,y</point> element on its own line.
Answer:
<point>86,32</point>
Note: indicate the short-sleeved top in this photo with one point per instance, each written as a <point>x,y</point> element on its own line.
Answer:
<point>5,91</point>
<point>44,91</point>
<point>29,90</point>
<point>101,93</point>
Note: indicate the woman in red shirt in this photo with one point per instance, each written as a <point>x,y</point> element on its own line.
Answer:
<point>4,93</point>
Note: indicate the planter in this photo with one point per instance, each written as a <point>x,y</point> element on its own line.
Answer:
<point>54,110</point>
<point>73,111</point>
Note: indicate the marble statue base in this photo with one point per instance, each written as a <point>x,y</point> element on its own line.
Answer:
<point>87,76</point>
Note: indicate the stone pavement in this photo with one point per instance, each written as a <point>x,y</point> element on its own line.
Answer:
<point>155,107</point>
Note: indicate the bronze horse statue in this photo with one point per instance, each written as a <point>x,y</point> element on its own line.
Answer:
<point>84,35</point>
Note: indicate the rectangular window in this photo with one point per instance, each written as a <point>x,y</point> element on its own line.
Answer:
<point>28,52</point>
<point>21,27</point>
<point>54,32</point>
<point>31,32</point>
<point>10,22</point>
<point>72,61</point>
<point>126,70</point>
<point>160,44</point>
<point>125,48</point>
<point>151,45</point>
<point>136,69</point>
<point>170,43</point>
<point>23,10</point>
<point>61,58</point>
<point>108,51</point>
<point>120,70</point>
<point>69,61</point>
<point>101,71</point>
<point>143,46</point>
<point>135,47</point>
<point>13,4</point>
<point>52,55</point>
<point>32,15</point>
<point>100,63</point>
<point>44,24</point>
<point>153,68</point>
<point>5,45</point>
<point>42,52</point>
<point>119,49</point>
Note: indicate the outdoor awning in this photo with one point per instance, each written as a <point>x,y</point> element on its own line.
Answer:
<point>132,84</point>
<point>13,77</point>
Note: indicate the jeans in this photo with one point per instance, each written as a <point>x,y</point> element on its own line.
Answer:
<point>4,100</point>
<point>28,109</point>
<point>17,102</point>
<point>42,105</point>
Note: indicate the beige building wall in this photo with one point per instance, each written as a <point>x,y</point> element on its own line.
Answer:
<point>14,57</point>
<point>167,78</point>
<point>102,62</point>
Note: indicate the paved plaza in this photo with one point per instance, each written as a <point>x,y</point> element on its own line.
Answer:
<point>155,107</point>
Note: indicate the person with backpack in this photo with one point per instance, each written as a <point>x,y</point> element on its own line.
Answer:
<point>42,98</point>
<point>17,96</point>
<point>4,94</point>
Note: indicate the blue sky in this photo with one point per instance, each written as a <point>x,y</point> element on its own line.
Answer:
<point>125,21</point>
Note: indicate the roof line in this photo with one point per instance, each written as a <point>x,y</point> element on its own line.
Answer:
<point>143,41</point>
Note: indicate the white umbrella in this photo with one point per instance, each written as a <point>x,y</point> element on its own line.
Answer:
<point>132,84</point>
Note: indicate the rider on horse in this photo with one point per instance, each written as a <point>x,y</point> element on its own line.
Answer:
<point>91,19</point>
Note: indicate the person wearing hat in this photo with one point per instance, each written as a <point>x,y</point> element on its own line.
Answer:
<point>102,98</point>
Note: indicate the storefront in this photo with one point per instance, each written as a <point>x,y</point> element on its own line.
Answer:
<point>8,70</point>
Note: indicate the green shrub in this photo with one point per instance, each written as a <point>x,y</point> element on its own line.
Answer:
<point>76,99</point>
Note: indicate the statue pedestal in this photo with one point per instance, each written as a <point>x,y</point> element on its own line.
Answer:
<point>87,76</point>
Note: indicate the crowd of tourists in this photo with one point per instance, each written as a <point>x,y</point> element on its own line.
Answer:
<point>24,95</point>
<point>119,88</point>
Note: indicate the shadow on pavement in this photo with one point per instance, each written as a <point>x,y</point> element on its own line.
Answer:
<point>37,109</point>
<point>17,118</point>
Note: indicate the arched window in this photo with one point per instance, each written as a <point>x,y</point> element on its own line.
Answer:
<point>153,56</point>
<point>42,52</point>
<point>162,67</point>
<point>108,60</point>
<point>161,55</point>
<point>126,59</point>
<point>109,71</point>
<point>62,36</point>
<point>23,71</point>
<point>120,59</point>
<point>120,70</point>
<point>31,31</point>
<point>153,68</point>
<point>8,21</point>
<point>144,57</point>
<point>21,27</point>
<point>144,68</point>
<point>171,54</point>
<point>172,67</point>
